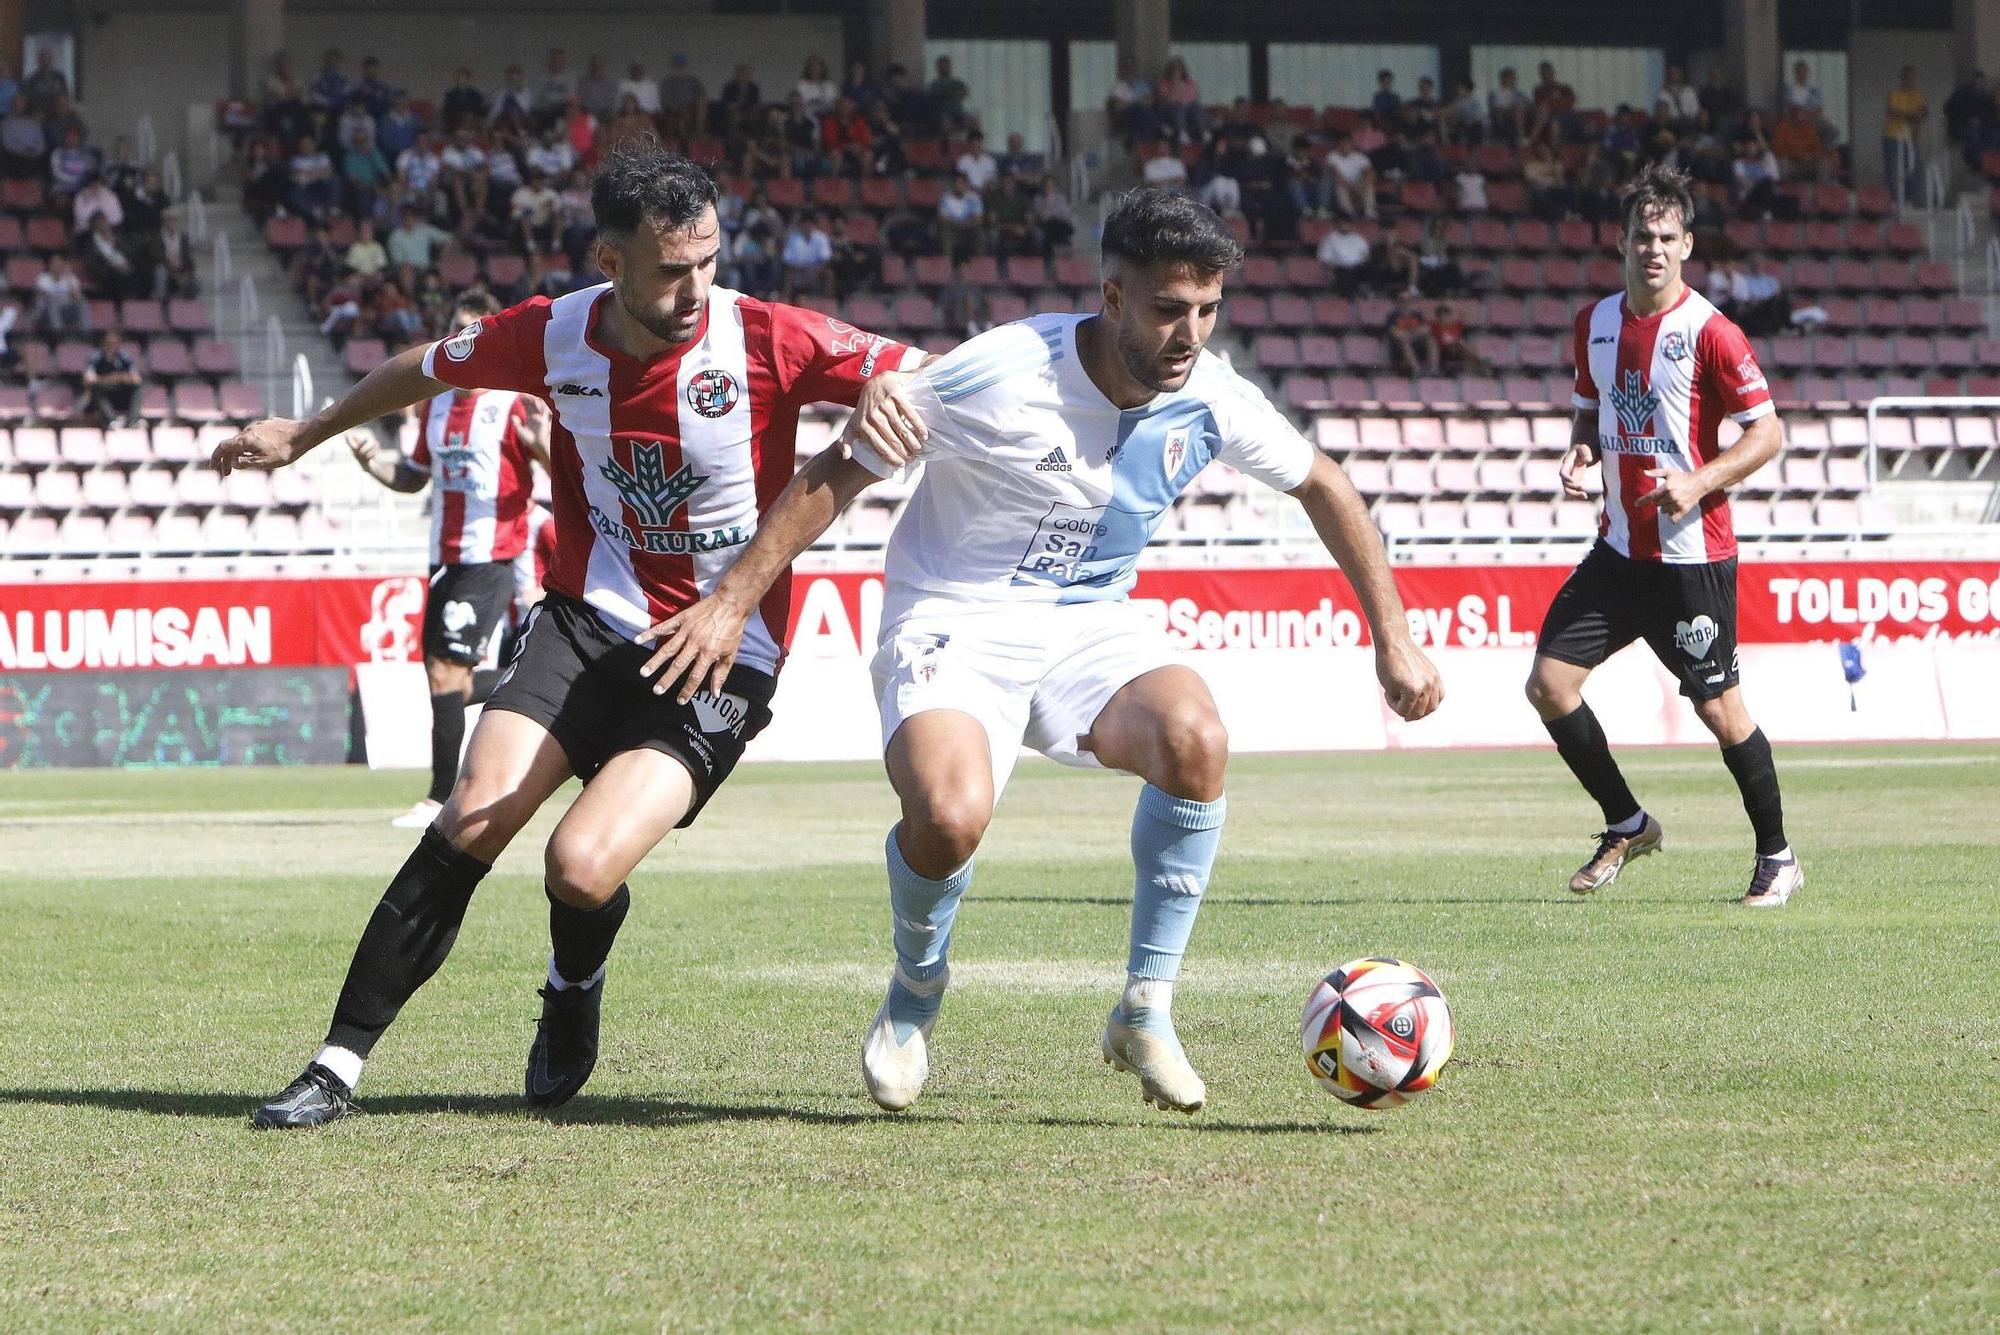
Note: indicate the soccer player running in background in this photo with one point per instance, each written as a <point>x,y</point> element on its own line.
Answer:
<point>474,447</point>
<point>1657,369</point>
<point>1053,447</point>
<point>674,407</point>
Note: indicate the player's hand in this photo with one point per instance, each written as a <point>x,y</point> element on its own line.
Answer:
<point>1580,455</point>
<point>263,445</point>
<point>1677,495</point>
<point>697,648</point>
<point>886,420</point>
<point>1410,683</point>
<point>365,448</point>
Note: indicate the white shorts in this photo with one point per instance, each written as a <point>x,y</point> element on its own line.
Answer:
<point>1033,674</point>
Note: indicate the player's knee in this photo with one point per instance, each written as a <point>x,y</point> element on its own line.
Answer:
<point>945,827</point>
<point>445,676</point>
<point>579,872</point>
<point>1550,699</point>
<point>483,820</point>
<point>1193,752</point>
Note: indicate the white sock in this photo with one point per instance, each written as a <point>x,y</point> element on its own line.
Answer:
<point>1783,855</point>
<point>1631,826</point>
<point>1148,994</point>
<point>343,1062</point>
<point>562,984</point>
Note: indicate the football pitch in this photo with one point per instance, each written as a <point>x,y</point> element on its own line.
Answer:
<point>1665,1112</point>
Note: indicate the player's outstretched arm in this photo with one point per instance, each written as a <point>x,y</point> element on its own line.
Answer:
<point>1409,683</point>
<point>1582,454</point>
<point>391,472</point>
<point>697,647</point>
<point>1679,493</point>
<point>274,442</point>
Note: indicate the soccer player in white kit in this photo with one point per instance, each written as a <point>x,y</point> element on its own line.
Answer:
<point>1052,448</point>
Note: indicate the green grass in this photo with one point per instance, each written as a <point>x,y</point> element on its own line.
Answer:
<point>1664,1112</point>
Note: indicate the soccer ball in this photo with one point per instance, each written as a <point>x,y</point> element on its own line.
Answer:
<point>1376,1032</point>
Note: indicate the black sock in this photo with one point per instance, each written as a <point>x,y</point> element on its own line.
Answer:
<point>582,937</point>
<point>405,941</point>
<point>1580,742</point>
<point>1757,776</point>
<point>447,738</point>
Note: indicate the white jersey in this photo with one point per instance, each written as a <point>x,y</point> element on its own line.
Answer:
<point>1037,488</point>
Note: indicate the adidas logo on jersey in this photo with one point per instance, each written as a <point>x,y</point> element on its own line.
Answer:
<point>1053,462</point>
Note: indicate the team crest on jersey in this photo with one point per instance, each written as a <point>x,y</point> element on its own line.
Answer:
<point>1635,403</point>
<point>713,393</point>
<point>459,346</point>
<point>1675,347</point>
<point>1175,453</point>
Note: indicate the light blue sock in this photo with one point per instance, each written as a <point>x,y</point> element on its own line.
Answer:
<point>921,911</point>
<point>1173,848</point>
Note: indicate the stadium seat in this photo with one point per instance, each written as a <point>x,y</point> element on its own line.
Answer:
<point>81,535</point>
<point>17,490</point>
<point>58,489</point>
<point>151,488</point>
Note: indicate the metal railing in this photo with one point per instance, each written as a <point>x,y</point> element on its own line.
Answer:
<point>248,308</point>
<point>170,174</point>
<point>302,384</point>
<point>145,140</point>
<point>1907,402</point>
<point>224,262</point>
<point>196,209</point>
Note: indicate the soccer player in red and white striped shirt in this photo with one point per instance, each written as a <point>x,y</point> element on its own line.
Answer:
<point>476,449</point>
<point>1657,369</point>
<point>674,406</point>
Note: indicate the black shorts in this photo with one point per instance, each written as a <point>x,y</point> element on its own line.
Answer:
<point>1685,613</point>
<point>467,606</point>
<point>579,678</point>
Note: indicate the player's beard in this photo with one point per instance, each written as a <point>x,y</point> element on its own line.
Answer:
<point>1143,364</point>
<point>663,327</point>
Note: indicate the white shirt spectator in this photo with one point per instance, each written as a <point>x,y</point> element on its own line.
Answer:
<point>957,208</point>
<point>1803,95</point>
<point>1166,171</point>
<point>419,168</point>
<point>1350,166</point>
<point>643,91</point>
<point>94,199</point>
<point>819,95</point>
<point>1471,191</point>
<point>981,168</point>
<point>59,290</point>
<point>463,157</point>
<point>506,171</point>
<point>807,249</point>
<point>1677,104</point>
<point>1222,194</point>
<point>535,204</point>
<point>552,160</point>
<point>1343,250</point>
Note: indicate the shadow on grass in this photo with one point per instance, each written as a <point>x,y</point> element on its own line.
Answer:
<point>588,1111</point>
<point>1270,902</point>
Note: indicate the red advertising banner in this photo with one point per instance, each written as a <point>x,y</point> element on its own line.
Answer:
<point>344,621</point>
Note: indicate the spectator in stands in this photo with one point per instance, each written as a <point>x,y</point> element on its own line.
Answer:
<point>1795,142</point>
<point>1754,173</point>
<point>847,139</point>
<point>1438,273</point>
<point>419,170</point>
<point>740,105</point>
<point>1345,254</point>
<point>802,141</point>
<point>10,315</point>
<point>885,138</point>
<point>9,84</point>
<point>646,92</point>
<point>684,98</point>
<point>354,123</point>
<point>45,85</point>
<point>71,164</point>
<point>313,192</point>
<point>1677,104</point>
<point>1468,187</point>
<point>265,181</point>
<point>759,268</point>
<point>961,220</point>
<point>1507,108</point>
<point>1455,352</point>
<point>463,103</point>
<point>108,267</point>
<point>1553,115</point>
<point>1413,348</point>
<point>364,172</point>
<point>365,255</point>
<point>597,90</point>
<point>1760,305</point>
<point>1308,182</point>
<point>343,311</point>
<point>1467,117</point>
<point>93,199</point>
<point>908,105</point>
<point>1054,222</point>
<point>536,211</point>
<point>578,223</point>
<point>1423,112</point>
<point>330,86</point>
<point>110,383</point>
<point>768,154</point>
<point>946,95</point>
<point>1970,118</point>
<point>318,265</point>
<point>854,267</point>
<point>1177,104</point>
<point>555,88</point>
<point>630,124</point>
<point>553,156</point>
<point>1550,195</point>
<point>1387,104</point>
<point>1353,176</point>
<point>59,306</point>
<point>1903,116</point>
<point>1018,160</point>
<point>979,168</point>
<point>24,148</point>
<point>393,318</point>
<point>412,247</point>
<point>513,104</point>
<point>62,118</point>
<point>173,259</point>
<point>124,171</point>
<point>808,251</point>
<point>963,307</point>
<point>1800,92</point>
<point>816,88</point>
<point>1166,169</point>
<point>1128,109</point>
<point>1010,213</point>
<point>581,129</point>
<point>398,130</point>
<point>860,87</point>
<point>1220,193</point>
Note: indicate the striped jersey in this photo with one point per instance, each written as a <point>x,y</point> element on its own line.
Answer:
<point>1660,386</point>
<point>662,468</point>
<point>481,476</point>
<point>1037,488</point>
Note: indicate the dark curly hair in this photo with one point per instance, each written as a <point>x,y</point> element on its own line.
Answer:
<point>641,182</point>
<point>1148,226</point>
<point>1658,190</point>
